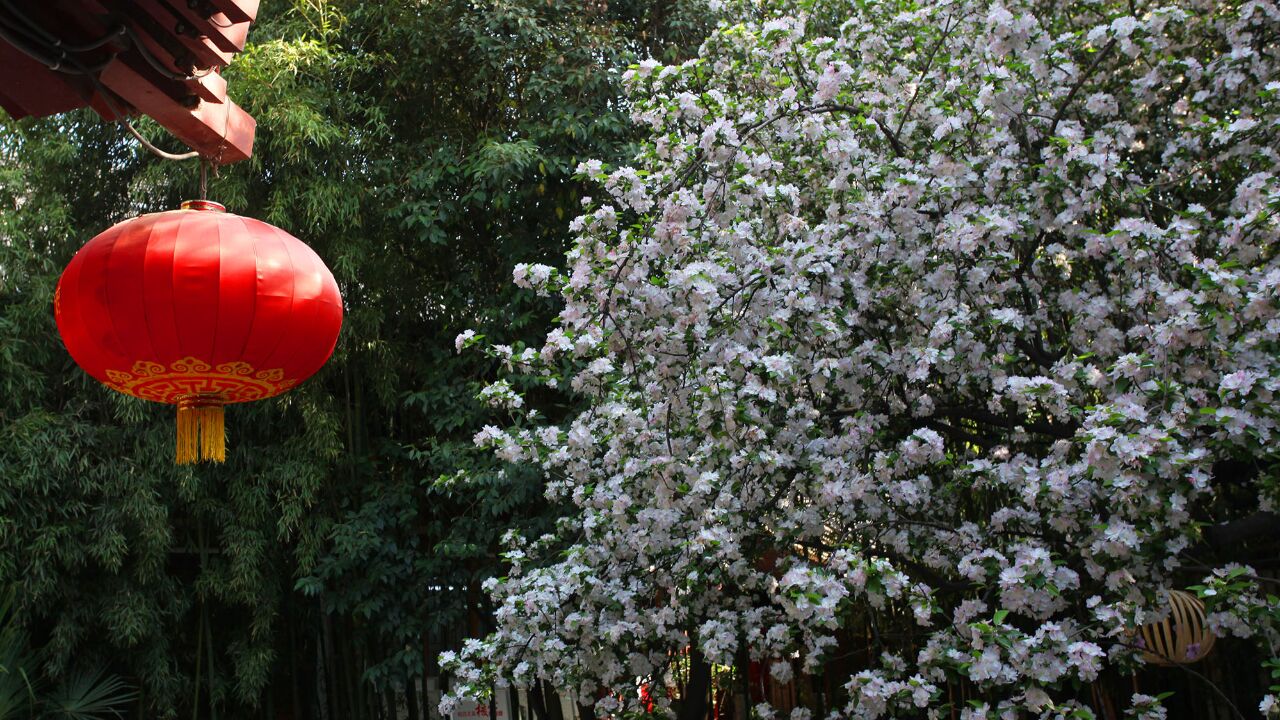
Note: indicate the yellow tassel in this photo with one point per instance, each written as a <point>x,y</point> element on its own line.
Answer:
<point>185,454</point>
<point>201,433</point>
<point>213,434</point>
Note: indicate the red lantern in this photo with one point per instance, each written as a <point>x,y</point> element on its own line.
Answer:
<point>198,308</point>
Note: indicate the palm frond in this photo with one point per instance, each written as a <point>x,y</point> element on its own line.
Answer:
<point>17,693</point>
<point>92,695</point>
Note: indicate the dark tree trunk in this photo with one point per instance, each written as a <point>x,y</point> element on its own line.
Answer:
<point>537,704</point>
<point>326,692</point>
<point>693,706</point>
<point>742,688</point>
<point>551,701</point>
<point>411,697</point>
<point>295,691</point>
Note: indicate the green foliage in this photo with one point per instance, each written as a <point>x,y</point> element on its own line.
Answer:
<point>422,149</point>
<point>89,695</point>
<point>93,695</point>
<point>16,691</point>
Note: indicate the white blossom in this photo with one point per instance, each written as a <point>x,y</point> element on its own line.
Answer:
<point>861,336</point>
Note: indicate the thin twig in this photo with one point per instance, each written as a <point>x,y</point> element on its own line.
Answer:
<point>1212,686</point>
<point>1084,77</point>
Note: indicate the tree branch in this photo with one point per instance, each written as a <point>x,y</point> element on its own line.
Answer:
<point>1071,94</point>
<point>957,434</point>
<point>899,150</point>
<point>1061,432</point>
<point>1259,524</point>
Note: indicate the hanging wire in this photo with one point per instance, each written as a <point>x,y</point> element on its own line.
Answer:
<point>58,65</point>
<point>209,18</point>
<point>118,32</point>
<point>134,132</point>
<point>154,62</point>
<point>57,42</point>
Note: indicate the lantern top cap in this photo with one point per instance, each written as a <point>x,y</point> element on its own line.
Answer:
<point>205,205</point>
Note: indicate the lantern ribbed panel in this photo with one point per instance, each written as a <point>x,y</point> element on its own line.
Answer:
<point>198,304</point>
<point>1181,638</point>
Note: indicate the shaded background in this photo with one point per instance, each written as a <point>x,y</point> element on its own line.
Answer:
<point>422,149</point>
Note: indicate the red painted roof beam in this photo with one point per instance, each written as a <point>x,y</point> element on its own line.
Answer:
<point>221,131</point>
<point>238,10</point>
<point>205,52</point>
<point>199,85</point>
<point>220,29</point>
<point>30,88</point>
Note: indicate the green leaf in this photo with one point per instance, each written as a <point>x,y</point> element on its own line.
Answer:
<point>92,695</point>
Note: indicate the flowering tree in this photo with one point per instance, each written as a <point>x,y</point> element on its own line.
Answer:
<point>957,320</point>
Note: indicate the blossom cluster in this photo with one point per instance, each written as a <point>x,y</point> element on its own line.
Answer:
<point>953,314</point>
